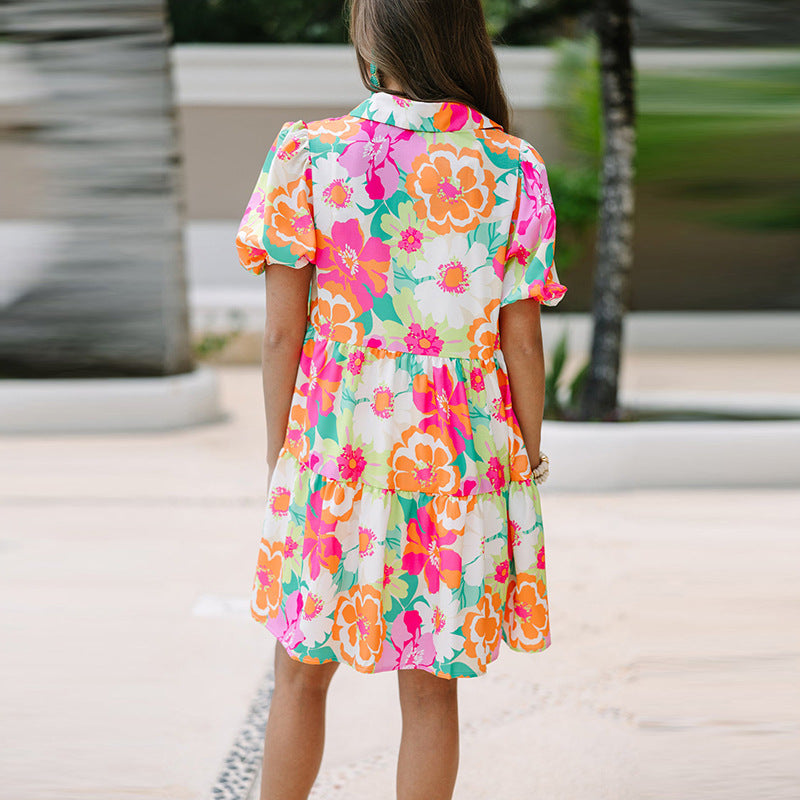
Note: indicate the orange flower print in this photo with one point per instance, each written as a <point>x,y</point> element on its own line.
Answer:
<point>249,248</point>
<point>482,334</point>
<point>519,463</point>
<point>279,501</point>
<point>423,462</point>
<point>482,628</point>
<point>267,588</point>
<point>453,278</point>
<point>498,141</point>
<point>287,217</point>
<point>366,542</point>
<point>382,403</point>
<point>526,617</point>
<point>359,627</point>
<point>337,193</point>
<point>453,189</point>
<point>334,316</point>
<point>296,441</point>
<point>337,500</point>
<point>335,129</point>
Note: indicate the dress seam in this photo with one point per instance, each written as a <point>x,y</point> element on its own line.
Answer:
<point>385,490</point>
<point>394,353</point>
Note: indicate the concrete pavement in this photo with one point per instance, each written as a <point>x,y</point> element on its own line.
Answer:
<point>129,660</point>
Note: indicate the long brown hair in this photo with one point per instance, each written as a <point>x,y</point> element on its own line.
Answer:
<point>437,50</point>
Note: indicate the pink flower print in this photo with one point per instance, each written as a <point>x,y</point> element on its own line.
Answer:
<point>540,558</point>
<point>535,204</point>
<point>454,116</point>
<point>514,539</point>
<point>379,152</point>
<point>289,546</point>
<point>499,263</point>
<point>408,647</point>
<point>410,240</point>
<point>256,204</point>
<point>423,342</point>
<point>428,550</point>
<point>286,626</point>
<point>438,620</point>
<point>476,380</point>
<point>548,289</point>
<point>453,278</point>
<point>496,473</point>
<point>403,102</point>
<point>358,265</point>
<point>499,410</point>
<point>351,463</point>
<point>322,377</point>
<point>534,185</point>
<point>501,572</point>
<point>443,401</point>
<point>293,437</point>
<point>382,402</point>
<point>355,361</point>
<point>321,547</point>
<point>337,193</point>
<point>387,574</point>
<point>376,341</point>
<point>302,224</point>
<point>519,252</point>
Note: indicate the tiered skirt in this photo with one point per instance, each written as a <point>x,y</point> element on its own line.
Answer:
<point>402,528</point>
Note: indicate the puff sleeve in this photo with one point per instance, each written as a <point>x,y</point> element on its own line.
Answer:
<point>278,223</point>
<point>530,270</point>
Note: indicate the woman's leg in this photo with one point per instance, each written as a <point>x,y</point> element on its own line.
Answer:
<point>295,728</point>
<point>428,762</point>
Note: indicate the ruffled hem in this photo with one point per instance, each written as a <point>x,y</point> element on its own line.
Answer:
<point>349,573</point>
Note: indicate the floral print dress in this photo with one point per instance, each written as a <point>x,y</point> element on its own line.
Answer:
<point>403,529</point>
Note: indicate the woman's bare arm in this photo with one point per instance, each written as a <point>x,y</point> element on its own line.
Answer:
<point>521,343</point>
<point>287,313</point>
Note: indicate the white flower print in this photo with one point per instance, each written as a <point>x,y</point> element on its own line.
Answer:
<point>449,269</point>
<point>319,602</point>
<point>441,617</point>
<point>338,194</point>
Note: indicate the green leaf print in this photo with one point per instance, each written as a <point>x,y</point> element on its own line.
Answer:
<point>407,233</point>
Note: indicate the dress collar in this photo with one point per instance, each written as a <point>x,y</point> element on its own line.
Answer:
<point>417,115</point>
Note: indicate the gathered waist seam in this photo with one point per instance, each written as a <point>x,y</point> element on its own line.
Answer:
<point>317,333</point>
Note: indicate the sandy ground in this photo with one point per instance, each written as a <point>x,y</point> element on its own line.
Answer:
<point>129,660</point>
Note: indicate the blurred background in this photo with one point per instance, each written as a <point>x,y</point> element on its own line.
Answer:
<point>133,475</point>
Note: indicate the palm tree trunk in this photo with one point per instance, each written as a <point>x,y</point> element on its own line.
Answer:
<point>615,229</point>
<point>113,300</point>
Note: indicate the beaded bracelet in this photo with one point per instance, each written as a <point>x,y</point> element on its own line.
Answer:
<point>542,470</point>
